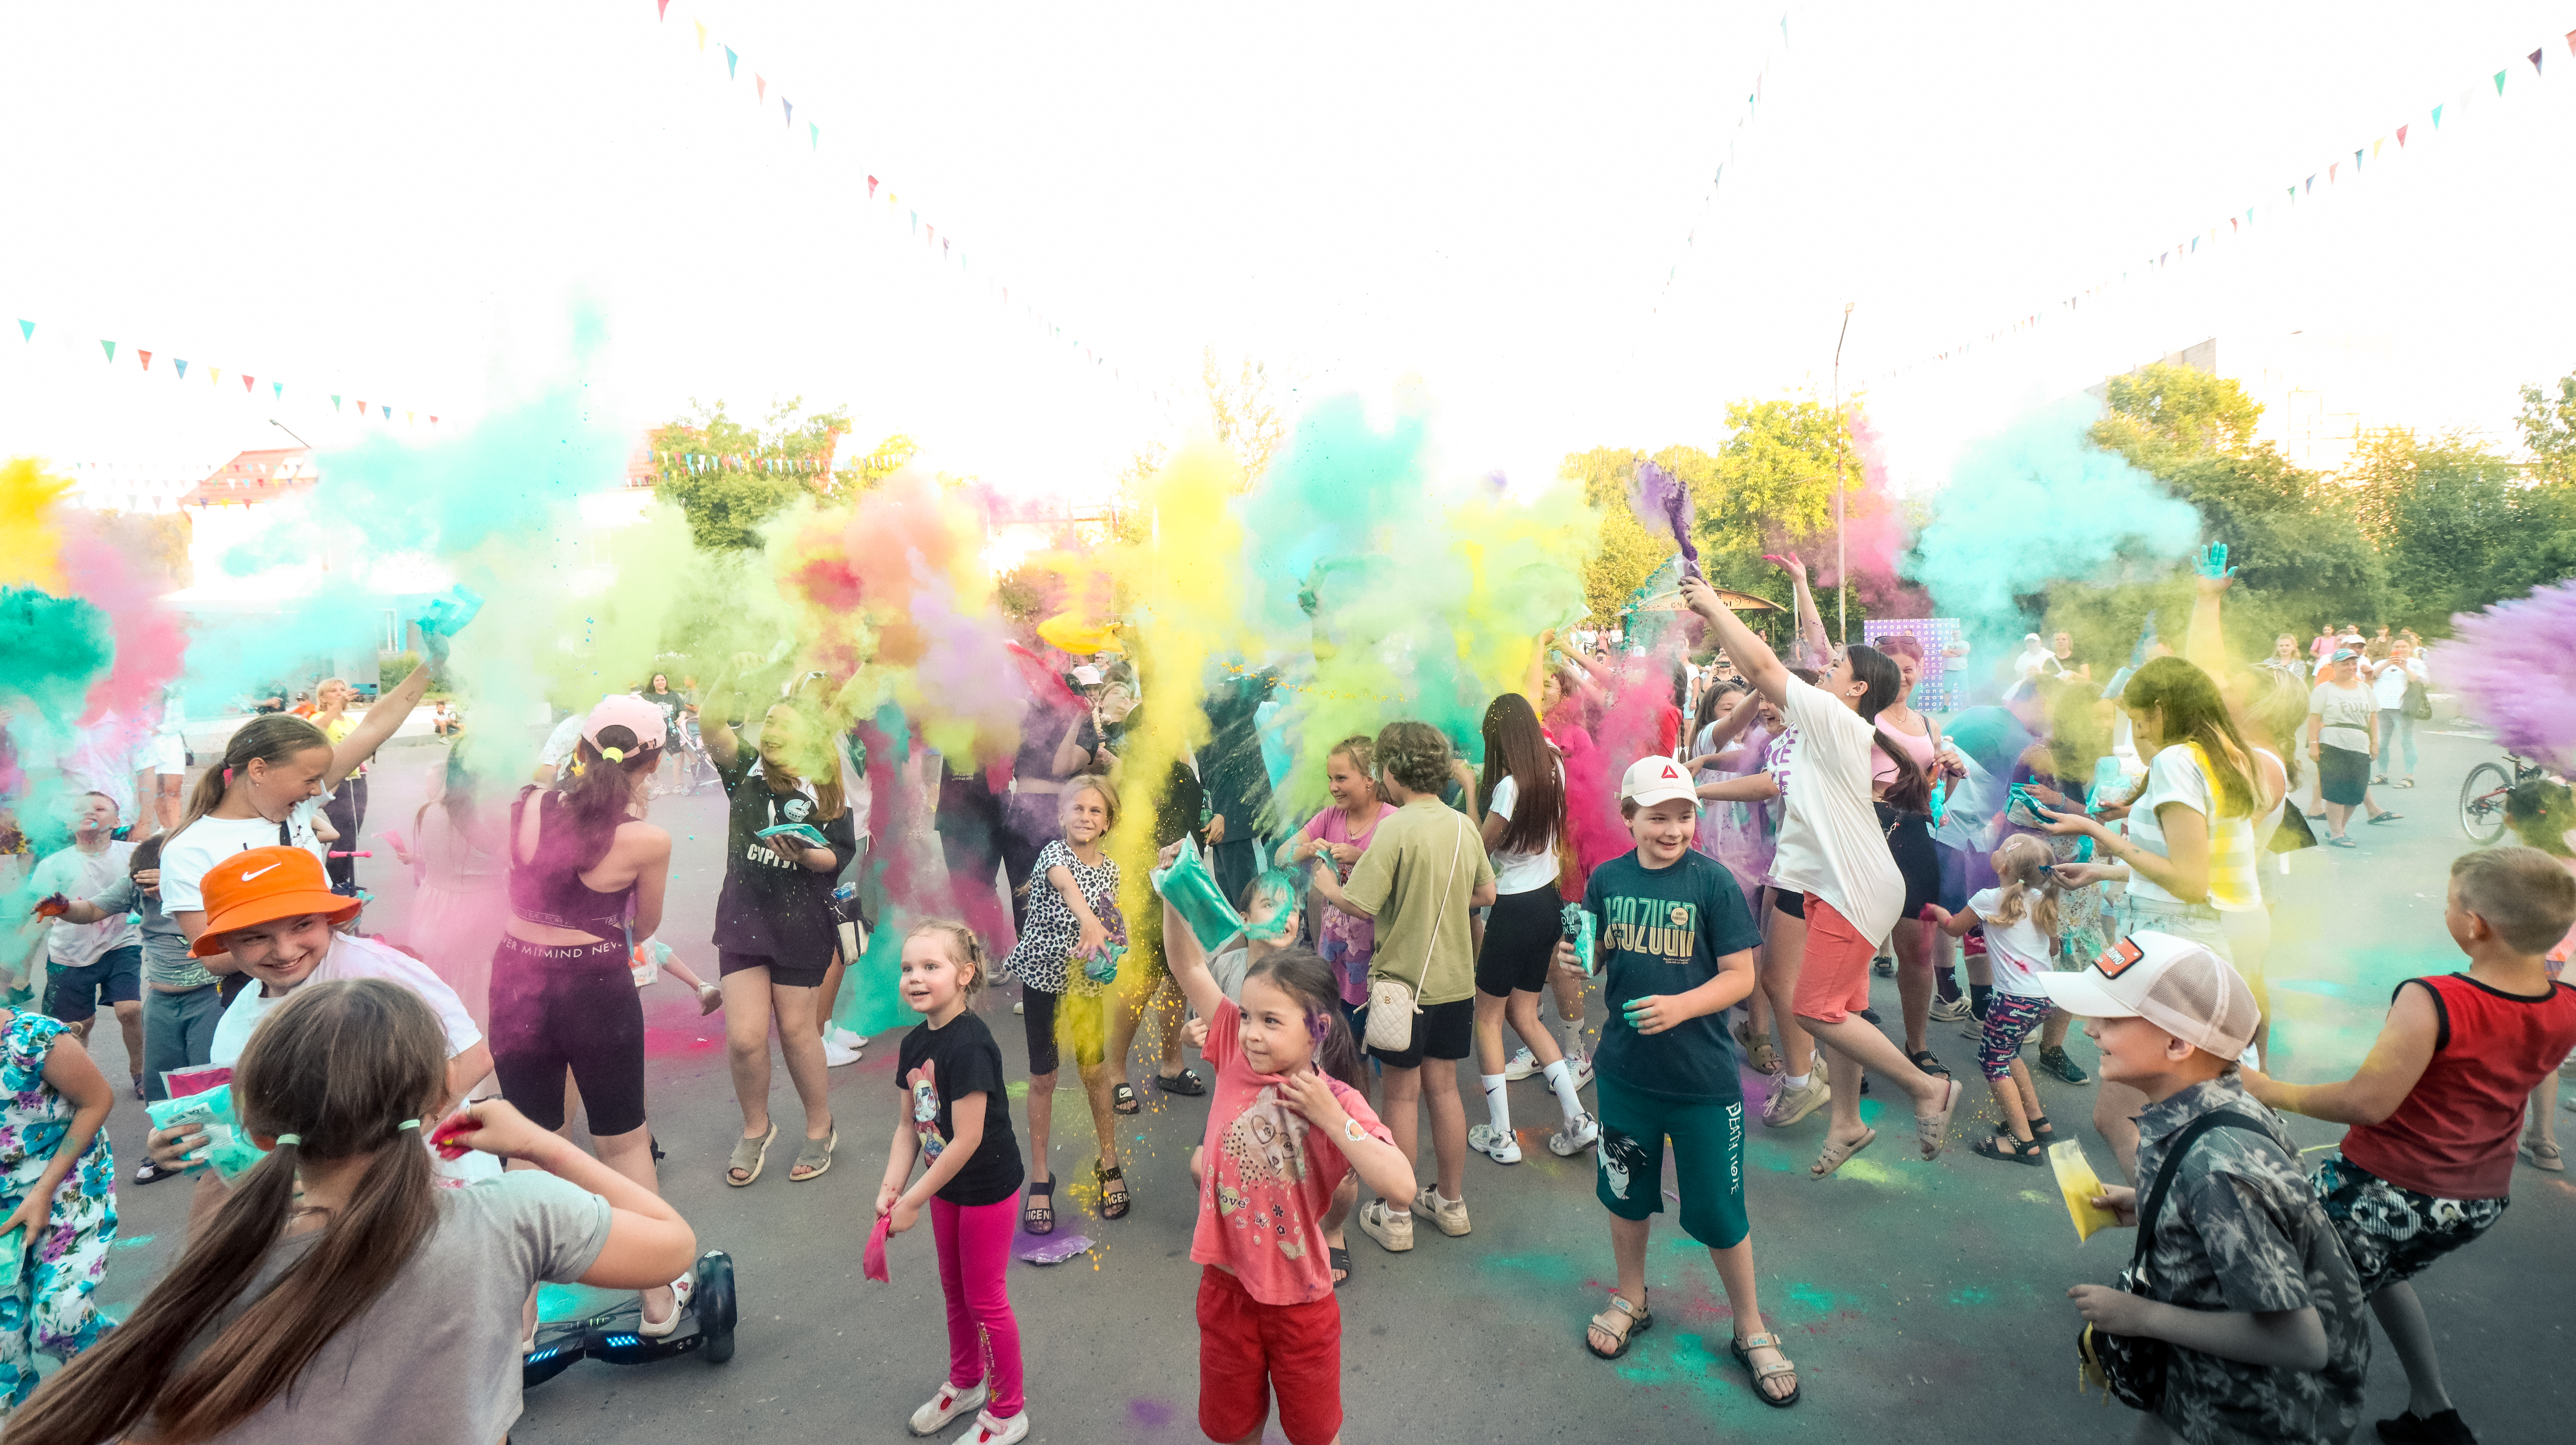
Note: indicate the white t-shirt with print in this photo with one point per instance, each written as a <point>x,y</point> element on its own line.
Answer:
<point>1830,846</point>
<point>2018,950</point>
<point>2390,684</point>
<point>1521,872</point>
<point>81,877</point>
<point>2174,776</point>
<point>195,849</point>
<point>350,957</point>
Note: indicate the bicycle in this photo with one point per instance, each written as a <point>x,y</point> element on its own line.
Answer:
<point>693,755</point>
<point>2484,791</point>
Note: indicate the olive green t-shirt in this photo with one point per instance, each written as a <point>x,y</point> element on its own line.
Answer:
<point>1421,867</point>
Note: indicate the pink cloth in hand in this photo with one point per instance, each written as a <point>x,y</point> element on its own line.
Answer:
<point>873,1262</point>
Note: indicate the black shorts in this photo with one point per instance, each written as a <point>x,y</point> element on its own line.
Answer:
<point>1440,1031</point>
<point>1084,1016</point>
<point>781,974</point>
<point>74,994</point>
<point>1520,941</point>
<point>1909,842</point>
<point>1789,901</point>
<point>570,1007</point>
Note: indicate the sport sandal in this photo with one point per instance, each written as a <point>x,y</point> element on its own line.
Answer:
<point>1622,1322</point>
<point>750,1156</point>
<point>1743,1350</point>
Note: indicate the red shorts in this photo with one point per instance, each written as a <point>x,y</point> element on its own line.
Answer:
<point>1833,974</point>
<point>1248,1349</point>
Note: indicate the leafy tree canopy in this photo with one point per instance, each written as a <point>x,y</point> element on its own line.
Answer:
<point>728,477</point>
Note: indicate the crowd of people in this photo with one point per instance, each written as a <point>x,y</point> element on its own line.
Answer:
<point>1724,853</point>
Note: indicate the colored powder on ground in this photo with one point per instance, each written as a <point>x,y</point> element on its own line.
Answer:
<point>2039,504</point>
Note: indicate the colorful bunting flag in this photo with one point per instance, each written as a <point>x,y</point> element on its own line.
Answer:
<point>214,374</point>
<point>2401,137</point>
<point>760,83</point>
<point>662,9</point>
<point>335,401</point>
<point>2535,61</point>
<point>817,132</point>
<point>2500,75</point>
<point>389,413</point>
<point>2437,117</point>
<point>111,349</point>
<point>702,35</point>
<point>26,330</point>
<point>791,109</point>
<point>147,358</point>
<point>246,383</point>
<point>180,362</point>
<point>276,390</point>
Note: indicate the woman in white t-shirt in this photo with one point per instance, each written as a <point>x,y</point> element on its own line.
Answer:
<point>1524,789</point>
<point>341,1294</point>
<point>2388,685</point>
<point>275,773</point>
<point>2189,853</point>
<point>2343,714</point>
<point>1833,866</point>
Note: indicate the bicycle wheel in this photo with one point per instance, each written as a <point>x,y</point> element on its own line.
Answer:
<point>2482,803</point>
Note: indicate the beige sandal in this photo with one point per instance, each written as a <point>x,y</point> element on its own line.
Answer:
<point>2543,1155</point>
<point>1932,1131</point>
<point>814,1157</point>
<point>750,1156</point>
<point>1834,1155</point>
<point>1743,1350</point>
<point>1625,1325</point>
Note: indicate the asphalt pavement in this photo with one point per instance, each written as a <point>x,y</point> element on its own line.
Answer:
<point>1921,1302</point>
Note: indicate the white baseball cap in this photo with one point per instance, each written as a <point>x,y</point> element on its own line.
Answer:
<point>2173,983</point>
<point>1657,780</point>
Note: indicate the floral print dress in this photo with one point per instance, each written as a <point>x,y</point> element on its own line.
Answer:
<point>48,1306</point>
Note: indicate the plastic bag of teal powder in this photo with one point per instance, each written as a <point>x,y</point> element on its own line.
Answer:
<point>1190,888</point>
<point>228,1146</point>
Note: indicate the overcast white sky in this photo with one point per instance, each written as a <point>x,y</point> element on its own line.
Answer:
<point>409,203</point>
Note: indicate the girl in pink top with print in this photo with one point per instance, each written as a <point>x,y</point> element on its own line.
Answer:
<point>1286,1123</point>
<point>1343,831</point>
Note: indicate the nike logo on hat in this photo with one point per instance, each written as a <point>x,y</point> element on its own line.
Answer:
<point>257,871</point>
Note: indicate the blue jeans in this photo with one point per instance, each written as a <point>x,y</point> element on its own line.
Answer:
<point>2396,727</point>
<point>178,1031</point>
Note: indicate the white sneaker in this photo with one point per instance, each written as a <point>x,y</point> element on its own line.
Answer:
<point>1582,1064</point>
<point>835,1034</point>
<point>1500,1145</point>
<point>1522,1065</point>
<point>948,1404</point>
<point>835,1056</point>
<point>1574,1138</point>
<point>989,1431</point>
<point>1950,1010</point>
<point>1392,1231</point>
<point>1449,1216</point>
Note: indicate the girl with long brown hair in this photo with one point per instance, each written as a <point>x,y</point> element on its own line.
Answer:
<point>1524,789</point>
<point>338,1259</point>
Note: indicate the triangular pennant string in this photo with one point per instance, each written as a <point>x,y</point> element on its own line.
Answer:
<point>247,383</point>
<point>2535,60</point>
<point>147,358</point>
<point>181,363</point>
<point>2499,79</point>
<point>26,330</point>
<point>730,58</point>
<point>2401,137</point>
<point>111,349</point>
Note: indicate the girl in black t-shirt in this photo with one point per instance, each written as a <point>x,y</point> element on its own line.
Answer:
<point>775,932</point>
<point>954,1113</point>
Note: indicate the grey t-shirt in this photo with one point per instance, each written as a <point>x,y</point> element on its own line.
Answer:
<point>165,948</point>
<point>436,1357</point>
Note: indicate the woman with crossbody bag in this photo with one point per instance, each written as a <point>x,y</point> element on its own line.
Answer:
<point>1425,868</point>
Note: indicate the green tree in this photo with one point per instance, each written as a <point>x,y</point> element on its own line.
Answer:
<point>2292,533</point>
<point>728,477</point>
<point>2460,526</point>
<point>2549,428</point>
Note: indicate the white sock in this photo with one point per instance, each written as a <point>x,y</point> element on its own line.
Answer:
<point>1798,1081</point>
<point>1573,1031</point>
<point>1498,1103</point>
<point>1560,1077</point>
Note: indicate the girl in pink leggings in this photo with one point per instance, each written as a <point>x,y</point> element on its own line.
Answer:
<point>953,1116</point>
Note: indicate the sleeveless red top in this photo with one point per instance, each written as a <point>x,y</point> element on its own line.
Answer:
<point>2453,1137</point>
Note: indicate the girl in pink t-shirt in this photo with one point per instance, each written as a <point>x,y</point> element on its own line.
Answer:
<point>1343,831</point>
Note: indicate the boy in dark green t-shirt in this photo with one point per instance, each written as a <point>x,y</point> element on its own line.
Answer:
<point>1676,944</point>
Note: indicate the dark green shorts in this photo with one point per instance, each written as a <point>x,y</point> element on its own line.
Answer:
<point>1708,1160</point>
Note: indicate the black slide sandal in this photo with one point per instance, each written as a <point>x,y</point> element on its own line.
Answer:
<point>1114,1201</point>
<point>1186,1083</point>
<point>1123,1100</point>
<point>1037,1211</point>
<point>1339,1259</point>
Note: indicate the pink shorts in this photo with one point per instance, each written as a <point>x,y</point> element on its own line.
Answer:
<point>1833,973</point>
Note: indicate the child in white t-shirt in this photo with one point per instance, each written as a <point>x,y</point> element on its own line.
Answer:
<point>2020,922</point>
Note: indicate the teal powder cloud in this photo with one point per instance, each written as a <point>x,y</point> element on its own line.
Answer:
<point>2037,504</point>
<point>51,650</point>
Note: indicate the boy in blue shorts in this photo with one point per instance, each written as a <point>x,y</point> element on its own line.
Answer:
<point>1675,945</point>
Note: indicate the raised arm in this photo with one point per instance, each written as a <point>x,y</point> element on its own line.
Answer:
<point>1188,962</point>
<point>1815,644</point>
<point>381,720</point>
<point>1753,657</point>
<point>2203,645</point>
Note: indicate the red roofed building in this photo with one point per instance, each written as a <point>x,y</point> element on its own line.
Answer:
<point>254,477</point>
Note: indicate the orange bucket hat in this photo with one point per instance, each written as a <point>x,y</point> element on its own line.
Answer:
<point>263,885</point>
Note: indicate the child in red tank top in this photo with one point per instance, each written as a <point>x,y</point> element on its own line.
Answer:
<point>2435,1109</point>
